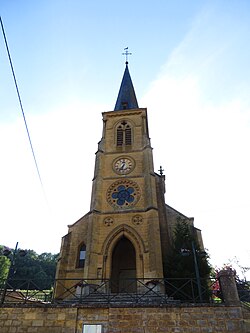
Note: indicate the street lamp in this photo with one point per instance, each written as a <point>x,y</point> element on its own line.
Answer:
<point>12,256</point>
<point>186,252</point>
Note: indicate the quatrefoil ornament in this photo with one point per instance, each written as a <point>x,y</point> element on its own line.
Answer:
<point>108,221</point>
<point>137,220</point>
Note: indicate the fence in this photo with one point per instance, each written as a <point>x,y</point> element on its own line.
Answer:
<point>106,291</point>
<point>243,288</point>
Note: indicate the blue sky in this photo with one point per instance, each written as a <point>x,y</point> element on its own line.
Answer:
<point>190,68</point>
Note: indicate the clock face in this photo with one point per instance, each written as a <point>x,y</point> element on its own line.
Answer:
<point>123,165</point>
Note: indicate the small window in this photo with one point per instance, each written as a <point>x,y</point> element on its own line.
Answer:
<point>81,256</point>
<point>124,105</point>
<point>92,329</point>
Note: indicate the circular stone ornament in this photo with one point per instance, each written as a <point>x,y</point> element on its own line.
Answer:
<point>137,220</point>
<point>123,193</point>
<point>108,221</point>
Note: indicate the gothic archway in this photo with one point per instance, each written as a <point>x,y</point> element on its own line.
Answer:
<point>112,240</point>
<point>123,267</point>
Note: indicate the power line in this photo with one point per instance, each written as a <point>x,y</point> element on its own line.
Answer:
<point>20,103</point>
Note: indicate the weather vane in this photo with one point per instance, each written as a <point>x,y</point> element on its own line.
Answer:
<point>126,53</point>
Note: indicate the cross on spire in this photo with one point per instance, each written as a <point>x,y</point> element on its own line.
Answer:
<point>126,53</point>
<point>161,170</point>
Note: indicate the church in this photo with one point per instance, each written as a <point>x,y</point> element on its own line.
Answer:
<point>128,232</point>
<point>113,270</point>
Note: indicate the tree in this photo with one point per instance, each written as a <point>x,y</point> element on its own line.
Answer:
<point>31,271</point>
<point>181,263</point>
<point>243,269</point>
<point>4,265</point>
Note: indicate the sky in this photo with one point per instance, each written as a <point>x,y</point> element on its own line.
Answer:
<point>190,68</point>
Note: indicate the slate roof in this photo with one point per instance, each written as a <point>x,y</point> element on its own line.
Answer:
<point>126,98</point>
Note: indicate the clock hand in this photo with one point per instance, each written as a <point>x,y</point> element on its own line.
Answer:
<point>123,164</point>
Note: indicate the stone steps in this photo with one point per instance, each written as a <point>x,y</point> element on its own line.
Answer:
<point>98,298</point>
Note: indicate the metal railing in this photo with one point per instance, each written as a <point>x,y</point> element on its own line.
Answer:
<point>105,291</point>
<point>243,288</point>
<point>25,291</point>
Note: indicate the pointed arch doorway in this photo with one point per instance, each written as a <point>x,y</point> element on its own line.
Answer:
<point>123,268</point>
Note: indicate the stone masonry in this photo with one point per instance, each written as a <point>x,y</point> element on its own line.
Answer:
<point>70,319</point>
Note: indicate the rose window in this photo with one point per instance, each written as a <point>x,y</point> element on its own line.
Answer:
<point>123,193</point>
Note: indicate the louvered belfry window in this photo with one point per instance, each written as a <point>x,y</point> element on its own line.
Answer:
<point>119,136</point>
<point>128,141</point>
<point>124,135</point>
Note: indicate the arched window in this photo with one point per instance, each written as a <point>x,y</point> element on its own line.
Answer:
<point>81,256</point>
<point>124,134</point>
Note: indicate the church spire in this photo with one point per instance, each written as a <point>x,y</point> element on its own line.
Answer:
<point>126,98</point>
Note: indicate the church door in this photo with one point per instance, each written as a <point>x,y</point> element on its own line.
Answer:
<point>123,272</point>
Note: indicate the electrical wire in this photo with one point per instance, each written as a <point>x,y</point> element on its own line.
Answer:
<point>20,103</point>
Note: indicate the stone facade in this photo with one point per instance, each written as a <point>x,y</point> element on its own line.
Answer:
<point>127,210</point>
<point>70,319</point>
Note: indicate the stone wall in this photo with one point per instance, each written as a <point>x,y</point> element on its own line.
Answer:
<point>70,319</point>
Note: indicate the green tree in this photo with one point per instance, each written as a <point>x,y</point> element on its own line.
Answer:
<point>181,261</point>
<point>39,269</point>
<point>48,263</point>
<point>4,265</point>
<point>31,271</point>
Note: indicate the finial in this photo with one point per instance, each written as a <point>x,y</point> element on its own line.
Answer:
<point>126,53</point>
<point>161,170</point>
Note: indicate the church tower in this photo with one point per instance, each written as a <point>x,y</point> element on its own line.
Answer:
<point>128,230</point>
